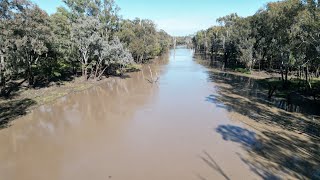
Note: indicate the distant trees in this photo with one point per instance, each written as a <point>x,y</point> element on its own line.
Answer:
<point>283,36</point>
<point>184,40</point>
<point>142,39</point>
<point>88,36</point>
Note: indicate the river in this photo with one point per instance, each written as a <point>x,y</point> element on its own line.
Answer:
<point>179,128</point>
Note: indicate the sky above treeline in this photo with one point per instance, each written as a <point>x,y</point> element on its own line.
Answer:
<point>177,17</point>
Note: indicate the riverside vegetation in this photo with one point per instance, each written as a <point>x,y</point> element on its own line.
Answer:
<point>82,42</point>
<point>281,38</point>
<point>88,38</point>
<point>173,118</point>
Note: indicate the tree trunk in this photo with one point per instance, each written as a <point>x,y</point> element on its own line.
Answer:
<point>225,60</point>
<point>282,76</point>
<point>211,60</point>
<point>30,76</point>
<point>97,68</point>
<point>307,80</point>
<point>85,73</point>
<point>102,72</point>
<point>84,65</point>
<point>286,76</point>
<point>259,65</point>
<point>82,69</point>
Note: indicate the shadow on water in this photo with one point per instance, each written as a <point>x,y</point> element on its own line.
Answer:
<point>274,153</point>
<point>271,153</point>
<point>244,96</point>
<point>239,135</point>
<point>11,110</point>
<point>208,159</point>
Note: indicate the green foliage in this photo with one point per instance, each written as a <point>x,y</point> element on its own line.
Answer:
<point>81,37</point>
<point>133,67</point>
<point>293,85</point>
<point>142,39</point>
<point>283,36</point>
<point>28,38</point>
<point>243,70</point>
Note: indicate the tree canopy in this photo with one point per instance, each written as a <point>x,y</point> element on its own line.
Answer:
<point>87,37</point>
<point>283,36</point>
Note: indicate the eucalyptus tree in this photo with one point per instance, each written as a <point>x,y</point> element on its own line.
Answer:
<point>85,34</point>
<point>228,39</point>
<point>199,41</point>
<point>149,35</point>
<point>307,35</point>
<point>93,34</point>
<point>129,36</point>
<point>66,53</point>
<point>261,31</point>
<point>5,32</point>
<point>105,10</point>
<point>241,34</point>
<point>103,57</point>
<point>164,40</point>
<point>30,38</point>
<point>119,55</point>
<point>142,39</point>
<point>35,46</point>
<point>282,16</point>
<point>283,37</point>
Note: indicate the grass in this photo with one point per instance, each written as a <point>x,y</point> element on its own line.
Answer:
<point>242,70</point>
<point>133,68</point>
<point>28,99</point>
<point>293,85</point>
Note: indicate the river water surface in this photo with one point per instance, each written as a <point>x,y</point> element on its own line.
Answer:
<point>130,129</point>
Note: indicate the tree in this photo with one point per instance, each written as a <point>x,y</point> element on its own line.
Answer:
<point>84,35</point>
<point>38,48</point>
<point>105,10</point>
<point>119,55</point>
<point>242,34</point>
<point>65,51</point>
<point>103,54</point>
<point>142,39</point>
<point>30,38</point>
<point>282,37</point>
<point>5,69</point>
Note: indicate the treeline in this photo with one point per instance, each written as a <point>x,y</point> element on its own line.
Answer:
<point>141,37</point>
<point>184,40</point>
<point>88,38</point>
<point>283,36</point>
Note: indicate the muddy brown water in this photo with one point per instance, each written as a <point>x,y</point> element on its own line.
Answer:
<point>130,129</point>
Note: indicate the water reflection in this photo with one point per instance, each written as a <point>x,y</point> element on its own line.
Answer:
<point>285,105</point>
<point>245,96</point>
<point>278,142</point>
<point>251,89</point>
<point>281,150</point>
<point>55,129</point>
<point>132,129</point>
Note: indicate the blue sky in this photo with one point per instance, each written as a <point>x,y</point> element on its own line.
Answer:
<point>177,17</point>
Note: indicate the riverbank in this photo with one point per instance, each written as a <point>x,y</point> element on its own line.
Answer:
<point>293,98</point>
<point>290,99</point>
<point>281,138</point>
<point>26,99</point>
<point>193,123</point>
